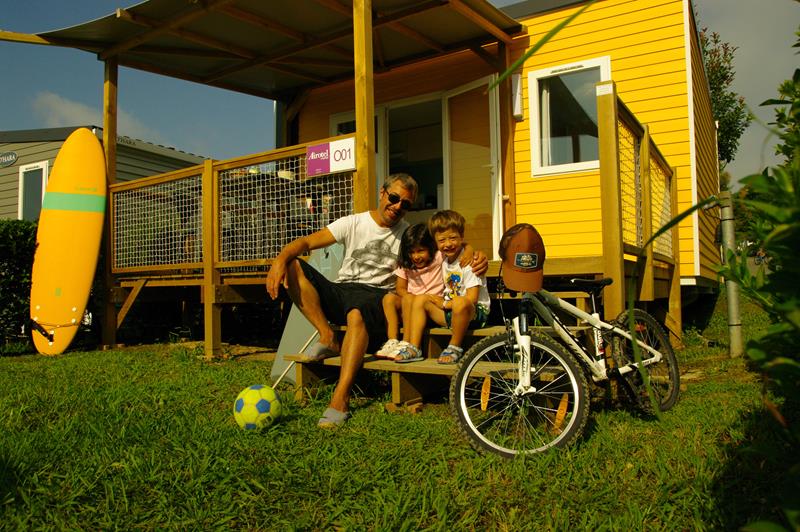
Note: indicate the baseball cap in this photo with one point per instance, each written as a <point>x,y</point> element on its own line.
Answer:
<point>522,253</point>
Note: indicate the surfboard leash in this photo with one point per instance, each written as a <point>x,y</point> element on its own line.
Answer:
<point>36,326</point>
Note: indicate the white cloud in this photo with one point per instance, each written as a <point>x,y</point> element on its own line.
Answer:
<point>57,111</point>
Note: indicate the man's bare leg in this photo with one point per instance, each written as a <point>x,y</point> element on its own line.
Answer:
<point>305,296</point>
<point>354,346</point>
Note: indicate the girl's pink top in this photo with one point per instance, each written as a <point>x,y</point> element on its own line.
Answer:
<point>428,280</point>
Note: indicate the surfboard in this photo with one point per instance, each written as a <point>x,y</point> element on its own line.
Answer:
<point>67,242</point>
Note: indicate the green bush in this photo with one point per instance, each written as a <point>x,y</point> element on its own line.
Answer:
<point>772,200</point>
<point>17,247</point>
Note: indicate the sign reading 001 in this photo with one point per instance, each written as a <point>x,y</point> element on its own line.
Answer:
<point>331,157</point>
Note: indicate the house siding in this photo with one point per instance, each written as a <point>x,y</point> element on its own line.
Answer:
<point>645,42</point>
<point>707,164</point>
<point>27,153</point>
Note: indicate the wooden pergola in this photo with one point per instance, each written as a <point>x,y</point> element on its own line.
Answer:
<point>280,50</point>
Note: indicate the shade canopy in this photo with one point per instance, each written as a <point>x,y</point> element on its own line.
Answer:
<point>278,48</point>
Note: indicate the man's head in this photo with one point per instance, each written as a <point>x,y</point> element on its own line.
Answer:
<point>398,194</point>
<point>447,228</point>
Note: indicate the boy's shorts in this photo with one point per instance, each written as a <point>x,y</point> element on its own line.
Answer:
<point>481,315</point>
<point>337,299</point>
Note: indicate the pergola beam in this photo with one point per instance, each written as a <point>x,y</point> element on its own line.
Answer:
<point>182,17</point>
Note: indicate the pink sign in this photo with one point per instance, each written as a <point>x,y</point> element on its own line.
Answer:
<point>331,157</point>
<point>318,159</point>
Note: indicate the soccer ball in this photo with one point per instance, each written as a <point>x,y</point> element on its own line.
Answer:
<point>256,407</point>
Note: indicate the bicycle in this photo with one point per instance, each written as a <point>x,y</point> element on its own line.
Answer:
<point>524,392</point>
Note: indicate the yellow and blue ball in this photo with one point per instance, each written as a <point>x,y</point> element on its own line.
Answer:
<point>256,407</point>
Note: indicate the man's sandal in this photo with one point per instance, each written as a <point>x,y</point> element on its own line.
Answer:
<point>408,353</point>
<point>451,355</point>
<point>333,418</point>
<point>317,353</point>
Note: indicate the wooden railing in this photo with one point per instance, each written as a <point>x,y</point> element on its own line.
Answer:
<point>638,197</point>
<point>257,203</point>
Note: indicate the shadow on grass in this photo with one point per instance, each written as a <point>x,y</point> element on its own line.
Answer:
<point>761,475</point>
<point>9,481</point>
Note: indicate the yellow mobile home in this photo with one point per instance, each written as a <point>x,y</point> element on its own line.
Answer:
<point>588,142</point>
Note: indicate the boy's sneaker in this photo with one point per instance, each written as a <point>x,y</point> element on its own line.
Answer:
<point>388,349</point>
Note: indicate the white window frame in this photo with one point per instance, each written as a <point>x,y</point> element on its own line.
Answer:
<point>537,168</point>
<point>44,166</point>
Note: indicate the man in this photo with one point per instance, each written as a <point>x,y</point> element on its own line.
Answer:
<point>371,242</point>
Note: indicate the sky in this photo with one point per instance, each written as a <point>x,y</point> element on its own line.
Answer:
<point>45,86</point>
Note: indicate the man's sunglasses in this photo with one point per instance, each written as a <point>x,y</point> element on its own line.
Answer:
<point>394,198</point>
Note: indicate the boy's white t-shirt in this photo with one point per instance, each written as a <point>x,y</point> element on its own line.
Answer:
<point>370,251</point>
<point>458,279</point>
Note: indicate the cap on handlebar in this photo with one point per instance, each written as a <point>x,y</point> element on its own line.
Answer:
<point>522,253</point>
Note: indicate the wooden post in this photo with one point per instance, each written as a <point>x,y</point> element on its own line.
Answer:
<point>364,178</point>
<point>212,311</point>
<point>507,144</point>
<point>674,319</point>
<point>610,199</point>
<point>109,322</point>
<point>646,274</point>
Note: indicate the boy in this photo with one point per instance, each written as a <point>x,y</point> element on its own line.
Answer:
<point>465,302</point>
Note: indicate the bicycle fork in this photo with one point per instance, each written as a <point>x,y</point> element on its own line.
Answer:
<point>523,338</point>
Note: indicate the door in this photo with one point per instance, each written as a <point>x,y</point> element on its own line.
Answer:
<point>473,180</point>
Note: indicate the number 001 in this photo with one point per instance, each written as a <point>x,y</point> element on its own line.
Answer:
<point>342,155</point>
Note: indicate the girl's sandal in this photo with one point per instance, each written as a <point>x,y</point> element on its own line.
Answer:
<point>408,353</point>
<point>450,356</point>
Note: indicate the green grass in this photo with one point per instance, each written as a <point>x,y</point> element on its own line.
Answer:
<point>145,438</point>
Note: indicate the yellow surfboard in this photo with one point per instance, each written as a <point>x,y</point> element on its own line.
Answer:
<point>68,242</point>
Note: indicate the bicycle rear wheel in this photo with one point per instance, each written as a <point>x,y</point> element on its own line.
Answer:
<point>496,416</point>
<point>664,375</point>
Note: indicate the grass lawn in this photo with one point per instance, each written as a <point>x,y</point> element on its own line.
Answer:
<point>145,438</point>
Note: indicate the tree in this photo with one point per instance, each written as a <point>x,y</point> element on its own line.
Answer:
<point>729,109</point>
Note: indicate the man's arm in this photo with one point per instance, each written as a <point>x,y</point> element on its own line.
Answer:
<point>292,250</point>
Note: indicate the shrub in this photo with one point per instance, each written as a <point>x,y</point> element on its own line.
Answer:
<point>17,247</point>
<point>773,203</point>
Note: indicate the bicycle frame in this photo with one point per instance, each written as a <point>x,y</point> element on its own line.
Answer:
<point>541,302</point>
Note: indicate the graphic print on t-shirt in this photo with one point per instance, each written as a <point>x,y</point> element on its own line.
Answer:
<point>374,256</point>
<point>453,284</point>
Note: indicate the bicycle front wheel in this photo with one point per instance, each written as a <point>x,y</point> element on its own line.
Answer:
<point>664,375</point>
<point>499,416</point>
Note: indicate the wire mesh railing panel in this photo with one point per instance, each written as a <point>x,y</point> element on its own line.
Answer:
<point>630,186</point>
<point>159,224</point>
<point>662,206</point>
<point>265,206</point>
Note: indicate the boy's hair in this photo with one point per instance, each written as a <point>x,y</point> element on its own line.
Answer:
<point>444,220</point>
<point>416,235</point>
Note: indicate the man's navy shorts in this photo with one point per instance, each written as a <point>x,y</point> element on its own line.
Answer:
<point>337,299</point>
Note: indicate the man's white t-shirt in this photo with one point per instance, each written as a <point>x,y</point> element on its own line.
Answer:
<point>370,251</point>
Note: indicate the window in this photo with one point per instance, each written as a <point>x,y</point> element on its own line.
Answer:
<point>32,182</point>
<point>564,116</point>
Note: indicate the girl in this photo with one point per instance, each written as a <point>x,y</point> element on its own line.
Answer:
<point>420,272</point>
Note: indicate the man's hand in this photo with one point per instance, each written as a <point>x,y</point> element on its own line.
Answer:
<point>480,264</point>
<point>276,278</point>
